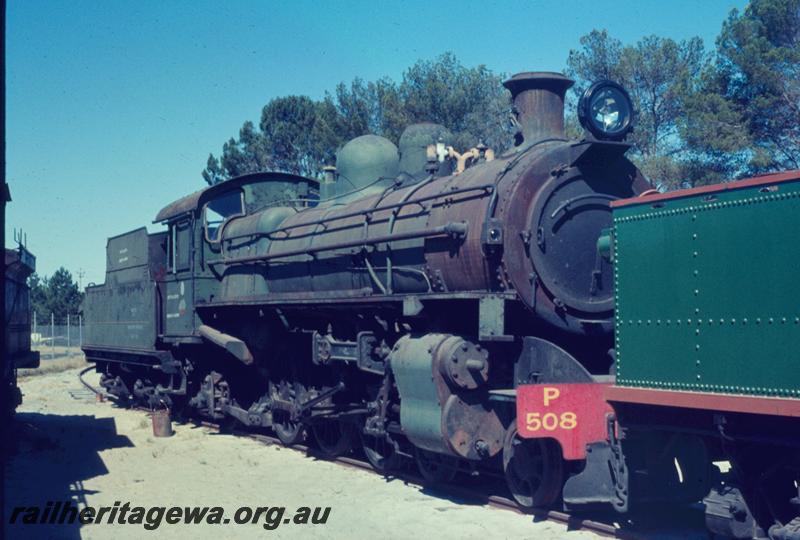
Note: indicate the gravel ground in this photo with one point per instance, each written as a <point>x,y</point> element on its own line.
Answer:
<point>72,448</point>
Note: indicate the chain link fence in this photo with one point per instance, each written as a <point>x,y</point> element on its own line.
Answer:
<point>57,338</point>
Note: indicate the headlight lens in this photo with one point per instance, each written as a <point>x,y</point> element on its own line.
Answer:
<point>606,111</point>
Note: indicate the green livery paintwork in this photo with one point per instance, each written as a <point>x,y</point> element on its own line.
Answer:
<point>121,313</point>
<point>707,292</point>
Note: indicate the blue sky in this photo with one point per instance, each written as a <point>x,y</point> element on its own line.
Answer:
<point>114,106</point>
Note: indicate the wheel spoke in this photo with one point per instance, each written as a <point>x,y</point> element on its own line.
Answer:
<point>380,452</point>
<point>526,487</point>
<point>436,468</point>
<point>333,437</point>
<point>533,470</point>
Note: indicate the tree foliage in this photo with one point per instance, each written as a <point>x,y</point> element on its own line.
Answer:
<point>701,118</point>
<point>708,118</point>
<point>743,116</point>
<point>57,295</point>
<point>298,134</point>
<point>658,73</point>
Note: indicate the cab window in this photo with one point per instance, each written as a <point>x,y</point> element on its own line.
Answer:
<point>184,248</point>
<point>224,207</point>
<point>179,250</point>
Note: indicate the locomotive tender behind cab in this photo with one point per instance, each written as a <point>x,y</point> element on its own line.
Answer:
<point>400,311</point>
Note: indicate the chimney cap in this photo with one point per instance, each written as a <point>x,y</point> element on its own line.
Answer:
<point>538,79</point>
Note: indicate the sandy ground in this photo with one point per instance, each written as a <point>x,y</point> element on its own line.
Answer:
<point>72,448</point>
<point>48,365</point>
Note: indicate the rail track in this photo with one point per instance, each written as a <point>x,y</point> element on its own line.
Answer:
<point>607,528</point>
<point>464,492</point>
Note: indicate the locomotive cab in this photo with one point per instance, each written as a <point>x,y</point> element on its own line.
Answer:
<point>145,312</point>
<point>219,210</point>
<point>195,224</point>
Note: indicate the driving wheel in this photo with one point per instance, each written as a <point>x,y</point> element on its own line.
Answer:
<point>533,469</point>
<point>436,468</point>
<point>382,452</point>
<point>289,431</point>
<point>334,438</point>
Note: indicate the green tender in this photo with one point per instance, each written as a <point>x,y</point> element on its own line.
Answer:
<point>707,292</point>
<point>120,313</point>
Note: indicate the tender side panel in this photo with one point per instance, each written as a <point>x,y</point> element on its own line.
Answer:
<point>121,313</point>
<point>121,316</point>
<point>127,250</point>
<point>707,292</point>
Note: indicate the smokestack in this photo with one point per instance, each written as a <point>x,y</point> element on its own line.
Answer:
<point>538,98</point>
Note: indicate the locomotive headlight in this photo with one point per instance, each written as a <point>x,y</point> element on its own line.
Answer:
<point>606,111</point>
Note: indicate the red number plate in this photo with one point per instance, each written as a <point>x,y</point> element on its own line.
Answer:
<point>572,414</point>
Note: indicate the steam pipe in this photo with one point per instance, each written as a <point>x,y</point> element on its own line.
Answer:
<point>486,188</point>
<point>454,229</point>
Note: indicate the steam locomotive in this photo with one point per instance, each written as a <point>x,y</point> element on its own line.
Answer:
<point>396,305</point>
<point>456,309</point>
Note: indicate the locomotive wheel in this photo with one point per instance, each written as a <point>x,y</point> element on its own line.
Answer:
<point>533,469</point>
<point>436,468</point>
<point>289,431</point>
<point>769,478</point>
<point>333,437</point>
<point>382,452</point>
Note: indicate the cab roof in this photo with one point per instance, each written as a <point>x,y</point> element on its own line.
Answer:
<point>196,200</point>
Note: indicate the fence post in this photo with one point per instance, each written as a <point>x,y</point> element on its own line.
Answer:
<point>68,351</point>
<point>80,331</point>
<point>52,335</point>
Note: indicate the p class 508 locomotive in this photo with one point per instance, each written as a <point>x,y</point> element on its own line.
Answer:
<point>396,305</point>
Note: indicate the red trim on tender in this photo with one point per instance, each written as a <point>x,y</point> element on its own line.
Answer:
<point>716,188</point>
<point>703,400</point>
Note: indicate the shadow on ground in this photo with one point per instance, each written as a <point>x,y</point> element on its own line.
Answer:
<point>48,459</point>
